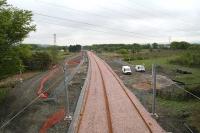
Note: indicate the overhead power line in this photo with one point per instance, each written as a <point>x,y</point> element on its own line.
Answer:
<point>95,25</point>
<point>149,11</point>
<point>88,29</point>
<point>84,28</point>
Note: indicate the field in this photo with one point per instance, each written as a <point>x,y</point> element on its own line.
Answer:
<point>164,62</point>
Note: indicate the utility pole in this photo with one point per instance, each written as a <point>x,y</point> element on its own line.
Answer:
<point>54,39</point>
<point>68,117</point>
<point>154,89</point>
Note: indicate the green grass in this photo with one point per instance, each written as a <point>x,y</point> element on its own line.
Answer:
<point>167,66</point>
<point>162,58</point>
<point>148,62</point>
<point>184,110</point>
<point>179,106</point>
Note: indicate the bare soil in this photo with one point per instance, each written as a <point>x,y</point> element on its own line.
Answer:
<point>139,80</point>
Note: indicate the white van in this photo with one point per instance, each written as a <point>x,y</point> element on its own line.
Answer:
<point>139,68</point>
<point>126,70</point>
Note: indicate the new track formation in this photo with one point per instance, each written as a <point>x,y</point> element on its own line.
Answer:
<point>109,107</point>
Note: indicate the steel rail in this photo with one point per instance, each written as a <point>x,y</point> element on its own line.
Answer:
<point>86,99</point>
<point>124,89</point>
<point>106,99</point>
<point>135,104</point>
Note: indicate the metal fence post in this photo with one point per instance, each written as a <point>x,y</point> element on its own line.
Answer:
<point>67,112</point>
<point>154,88</point>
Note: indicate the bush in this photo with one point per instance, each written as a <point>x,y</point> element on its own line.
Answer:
<point>180,45</point>
<point>123,51</point>
<point>9,64</point>
<point>39,61</point>
<point>190,58</point>
<point>140,58</point>
<point>74,48</point>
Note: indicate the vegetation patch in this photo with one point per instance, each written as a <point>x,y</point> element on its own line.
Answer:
<point>3,94</point>
<point>189,58</point>
<point>187,111</point>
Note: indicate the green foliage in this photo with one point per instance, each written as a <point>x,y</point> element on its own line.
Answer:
<point>23,51</point>
<point>146,46</point>
<point>195,47</point>
<point>74,48</point>
<point>154,45</point>
<point>15,24</point>
<point>133,48</point>
<point>53,52</point>
<point>189,58</point>
<point>180,45</point>
<point>39,61</point>
<point>122,51</point>
<point>10,64</point>
<point>136,48</point>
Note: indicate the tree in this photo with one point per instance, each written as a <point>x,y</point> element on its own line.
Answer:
<point>53,51</point>
<point>123,51</point>
<point>15,24</point>
<point>146,46</point>
<point>40,61</point>
<point>180,45</point>
<point>74,48</point>
<point>24,54</point>
<point>154,45</point>
<point>136,47</point>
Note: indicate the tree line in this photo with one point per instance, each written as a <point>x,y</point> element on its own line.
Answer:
<point>190,56</point>
<point>137,47</point>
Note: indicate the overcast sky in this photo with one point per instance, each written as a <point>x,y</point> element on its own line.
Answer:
<point>113,21</point>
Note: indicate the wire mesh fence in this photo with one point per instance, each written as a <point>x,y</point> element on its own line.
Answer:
<point>36,114</point>
<point>176,105</point>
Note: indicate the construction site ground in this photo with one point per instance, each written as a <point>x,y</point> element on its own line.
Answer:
<point>36,116</point>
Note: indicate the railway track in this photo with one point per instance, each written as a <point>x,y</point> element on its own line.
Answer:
<point>125,94</point>
<point>109,107</point>
<point>106,99</point>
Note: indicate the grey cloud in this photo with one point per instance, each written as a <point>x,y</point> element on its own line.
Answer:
<point>122,21</point>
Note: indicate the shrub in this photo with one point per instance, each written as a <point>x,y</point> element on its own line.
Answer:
<point>180,45</point>
<point>190,58</point>
<point>39,61</point>
<point>123,51</point>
